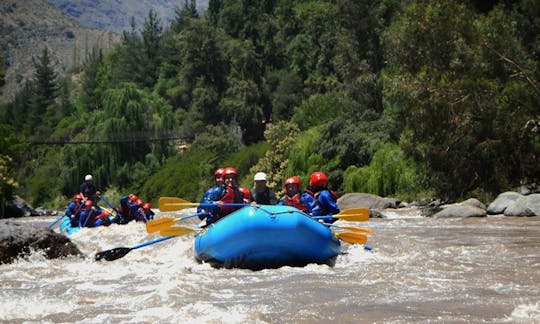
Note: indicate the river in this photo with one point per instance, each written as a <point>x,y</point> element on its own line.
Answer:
<point>419,270</point>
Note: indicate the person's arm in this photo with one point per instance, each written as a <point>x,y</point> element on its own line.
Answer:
<point>82,190</point>
<point>309,202</point>
<point>330,205</point>
<point>272,197</point>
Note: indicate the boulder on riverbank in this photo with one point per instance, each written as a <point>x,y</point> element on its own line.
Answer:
<point>515,204</point>
<point>19,239</point>
<point>369,201</point>
<point>18,207</point>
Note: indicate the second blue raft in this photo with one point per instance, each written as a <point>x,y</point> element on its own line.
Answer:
<point>259,237</point>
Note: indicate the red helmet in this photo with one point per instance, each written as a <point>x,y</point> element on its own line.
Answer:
<point>147,206</point>
<point>133,198</point>
<point>219,172</point>
<point>318,179</point>
<point>230,171</point>
<point>245,191</point>
<point>293,180</point>
<point>88,203</point>
<point>77,196</point>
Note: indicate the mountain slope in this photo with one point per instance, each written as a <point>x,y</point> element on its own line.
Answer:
<point>115,15</point>
<point>27,27</point>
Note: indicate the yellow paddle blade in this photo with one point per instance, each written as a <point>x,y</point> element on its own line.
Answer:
<point>177,231</point>
<point>168,207</point>
<point>352,217</point>
<point>169,200</point>
<point>158,224</point>
<point>353,238</point>
<point>358,229</point>
<point>355,211</point>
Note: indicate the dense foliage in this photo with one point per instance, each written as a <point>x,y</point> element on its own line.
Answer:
<point>407,98</point>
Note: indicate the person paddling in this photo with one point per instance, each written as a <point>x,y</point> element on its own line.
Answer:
<point>88,190</point>
<point>325,200</point>
<point>74,209</point>
<point>93,216</point>
<point>262,194</point>
<point>129,206</point>
<point>230,194</point>
<point>145,213</point>
<point>211,195</point>
<point>294,196</point>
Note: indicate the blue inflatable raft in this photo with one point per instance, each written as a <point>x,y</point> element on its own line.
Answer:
<point>259,237</point>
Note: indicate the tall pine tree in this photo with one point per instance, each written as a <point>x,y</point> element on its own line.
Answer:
<point>45,90</point>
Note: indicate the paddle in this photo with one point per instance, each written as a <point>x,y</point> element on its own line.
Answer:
<point>351,215</point>
<point>353,238</point>
<point>352,228</point>
<point>51,225</point>
<point>178,230</point>
<point>117,253</point>
<point>160,224</point>
<point>176,206</point>
<point>108,203</point>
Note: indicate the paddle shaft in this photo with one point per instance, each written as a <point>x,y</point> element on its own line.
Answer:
<point>138,246</point>
<point>108,203</point>
<point>51,225</point>
<point>117,253</point>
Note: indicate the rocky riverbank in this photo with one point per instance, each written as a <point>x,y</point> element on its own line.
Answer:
<point>508,203</point>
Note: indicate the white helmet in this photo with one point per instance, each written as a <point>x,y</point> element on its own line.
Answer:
<point>88,177</point>
<point>260,176</point>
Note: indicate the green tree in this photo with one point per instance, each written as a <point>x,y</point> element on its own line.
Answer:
<point>466,102</point>
<point>197,81</point>
<point>2,71</point>
<point>184,15</point>
<point>12,147</point>
<point>152,37</point>
<point>389,173</point>
<point>45,91</point>
<point>312,49</point>
<point>280,137</point>
<point>91,94</point>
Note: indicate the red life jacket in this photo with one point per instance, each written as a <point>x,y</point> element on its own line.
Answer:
<point>332,194</point>
<point>296,202</point>
<point>231,195</point>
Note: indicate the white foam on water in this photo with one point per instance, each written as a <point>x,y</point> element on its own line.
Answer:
<point>414,267</point>
<point>526,313</point>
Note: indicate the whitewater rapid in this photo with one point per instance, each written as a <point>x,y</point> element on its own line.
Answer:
<point>419,270</point>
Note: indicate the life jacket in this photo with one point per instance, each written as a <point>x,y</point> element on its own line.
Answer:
<point>323,209</point>
<point>295,201</point>
<point>230,195</point>
<point>332,194</point>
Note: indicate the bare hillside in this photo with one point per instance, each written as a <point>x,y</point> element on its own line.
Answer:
<point>26,27</point>
<point>115,15</point>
